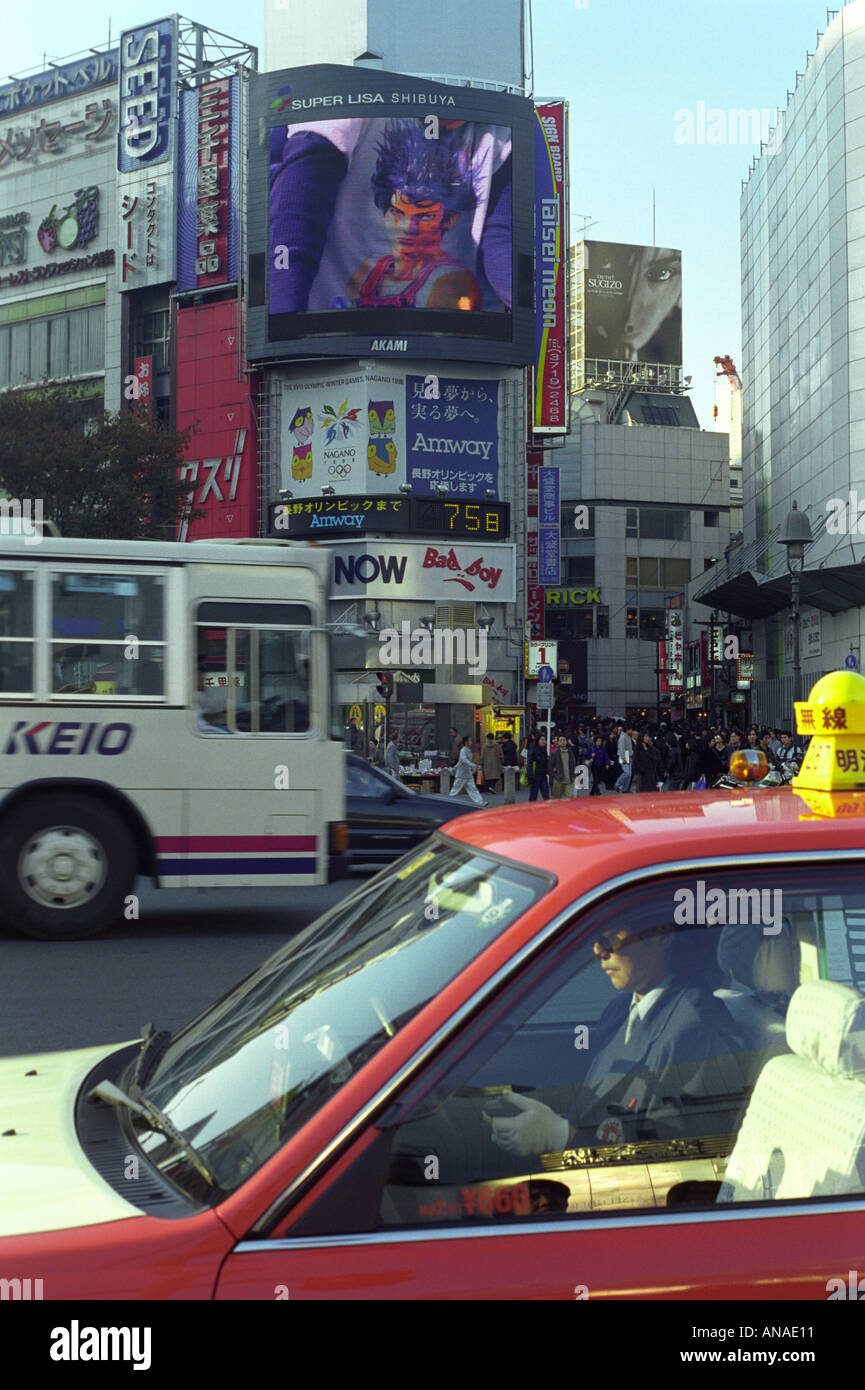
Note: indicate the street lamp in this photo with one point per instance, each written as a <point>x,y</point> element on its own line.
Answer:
<point>794,537</point>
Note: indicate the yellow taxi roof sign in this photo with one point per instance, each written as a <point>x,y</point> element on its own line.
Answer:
<point>834,716</point>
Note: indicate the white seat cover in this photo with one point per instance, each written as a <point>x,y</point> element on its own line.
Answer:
<point>804,1131</point>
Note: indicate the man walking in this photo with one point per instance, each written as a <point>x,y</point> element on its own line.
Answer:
<point>538,767</point>
<point>454,744</point>
<point>464,775</point>
<point>491,763</point>
<point>625,755</point>
<point>391,757</point>
<point>563,767</point>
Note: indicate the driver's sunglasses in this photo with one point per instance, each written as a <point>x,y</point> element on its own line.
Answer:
<point>613,943</point>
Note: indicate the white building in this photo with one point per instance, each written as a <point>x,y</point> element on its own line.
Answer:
<point>803,369</point>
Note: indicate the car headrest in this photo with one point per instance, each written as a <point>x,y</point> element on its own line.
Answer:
<point>826,1026</point>
<point>766,964</point>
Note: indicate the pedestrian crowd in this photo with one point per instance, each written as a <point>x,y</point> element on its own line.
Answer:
<point>603,756</point>
<point>606,756</point>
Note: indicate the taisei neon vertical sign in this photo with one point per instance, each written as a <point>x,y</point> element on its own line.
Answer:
<point>549,407</point>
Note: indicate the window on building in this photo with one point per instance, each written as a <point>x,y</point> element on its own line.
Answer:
<point>711,518</point>
<point>664,523</point>
<point>569,518</point>
<point>631,571</point>
<point>655,572</point>
<point>57,345</point>
<point>649,624</point>
<point>631,526</point>
<point>653,624</point>
<point>578,569</point>
<point>154,338</point>
<point>577,623</point>
<point>660,415</point>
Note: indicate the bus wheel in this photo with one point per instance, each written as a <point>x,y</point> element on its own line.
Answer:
<point>66,865</point>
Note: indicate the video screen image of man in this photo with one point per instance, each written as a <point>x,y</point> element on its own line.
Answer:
<point>372,212</point>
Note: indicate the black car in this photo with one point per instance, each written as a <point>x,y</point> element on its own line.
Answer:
<point>385,819</point>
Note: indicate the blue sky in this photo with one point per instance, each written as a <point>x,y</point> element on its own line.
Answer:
<point>627,67</point>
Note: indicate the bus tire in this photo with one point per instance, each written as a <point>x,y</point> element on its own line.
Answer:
<point>66,865</point>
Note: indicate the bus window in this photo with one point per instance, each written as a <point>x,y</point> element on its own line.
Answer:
<point>16,632</point>
<point>107,634</point>
<point>252,680</point>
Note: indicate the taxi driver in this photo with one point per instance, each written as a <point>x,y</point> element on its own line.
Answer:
<point>655,1049</point>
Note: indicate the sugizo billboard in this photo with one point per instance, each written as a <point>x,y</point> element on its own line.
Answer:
<point>383,217</point>
<point>632,303</point>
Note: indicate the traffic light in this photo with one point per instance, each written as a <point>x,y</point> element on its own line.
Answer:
<point>385,684</point>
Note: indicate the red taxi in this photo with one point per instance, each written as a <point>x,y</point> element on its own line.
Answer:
<point>599,1049</point>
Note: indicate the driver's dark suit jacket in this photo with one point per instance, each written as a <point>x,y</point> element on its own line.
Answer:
<point>681,1072</point>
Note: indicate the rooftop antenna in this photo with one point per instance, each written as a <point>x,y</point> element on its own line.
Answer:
<point>587,222</point>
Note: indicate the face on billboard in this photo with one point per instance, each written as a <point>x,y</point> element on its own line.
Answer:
<point>390,213</point>
<point>633,309</point>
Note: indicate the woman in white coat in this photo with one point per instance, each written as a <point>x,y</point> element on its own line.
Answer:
<point>464,776</point>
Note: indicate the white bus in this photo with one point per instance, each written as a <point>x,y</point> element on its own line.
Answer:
<point>164,711</point>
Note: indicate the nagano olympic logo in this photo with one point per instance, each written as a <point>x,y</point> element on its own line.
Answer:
<point>339,470</point>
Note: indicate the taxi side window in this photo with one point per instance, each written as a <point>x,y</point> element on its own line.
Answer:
<point>648,1061</point>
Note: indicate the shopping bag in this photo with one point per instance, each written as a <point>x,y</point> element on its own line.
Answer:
<point>480,779</point>
<point>700,784</point>
<point>524,779</point>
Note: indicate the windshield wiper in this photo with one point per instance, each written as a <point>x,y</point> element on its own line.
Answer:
<point>153,1045</point>
<point>110,1094</point>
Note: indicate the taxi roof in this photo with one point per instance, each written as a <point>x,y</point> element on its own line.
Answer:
<point>585,841</point>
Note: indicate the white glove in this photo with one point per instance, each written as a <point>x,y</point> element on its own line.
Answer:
<point>538,1129</point>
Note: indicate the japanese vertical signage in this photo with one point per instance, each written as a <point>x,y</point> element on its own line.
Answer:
<point>144,378</point>
<point>675,651</point>
<point>549,565</point>
<point>534,591</point>
<point>146,202</point>
<point>147,78</point>
<point>207,228</point>
<point>549,405</point>
<point>221,476</point>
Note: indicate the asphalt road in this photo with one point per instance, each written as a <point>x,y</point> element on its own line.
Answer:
<point>187,948</point>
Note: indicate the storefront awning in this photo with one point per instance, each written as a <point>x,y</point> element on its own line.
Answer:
<point>750,594</point>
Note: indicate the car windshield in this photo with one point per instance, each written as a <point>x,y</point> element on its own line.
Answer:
<point>244,1076</point>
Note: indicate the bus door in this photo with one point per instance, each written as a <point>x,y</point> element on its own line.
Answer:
<point>253,814</point>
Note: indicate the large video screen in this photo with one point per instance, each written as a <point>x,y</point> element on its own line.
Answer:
<point>390,212</point>
<point>393,220</point>
<point>633,303</point>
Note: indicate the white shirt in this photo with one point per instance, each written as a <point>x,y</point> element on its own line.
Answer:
<point>640,1007</point>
